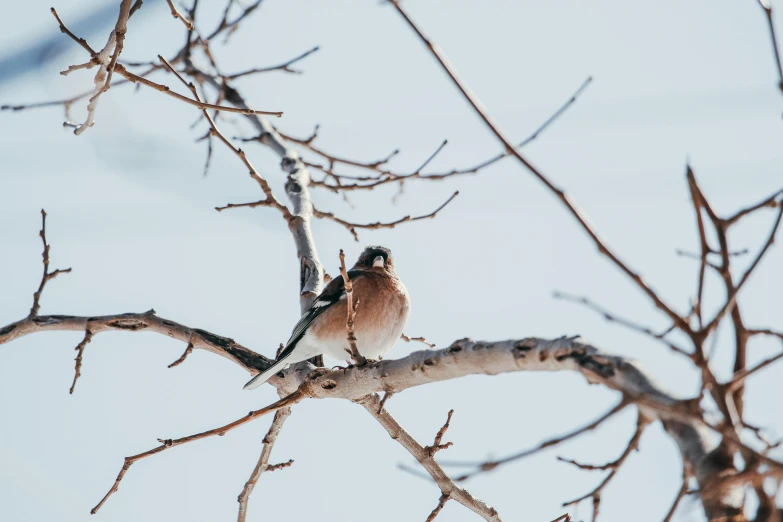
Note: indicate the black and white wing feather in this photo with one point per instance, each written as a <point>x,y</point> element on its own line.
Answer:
<point>332,294</point>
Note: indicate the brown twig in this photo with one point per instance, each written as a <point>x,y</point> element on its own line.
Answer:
<point>383,176</point>
<point>732,297</point>
<point>386,396</point>
<point>135,78</point>
<point>270,198</point>
<point>441,502</point>
<point>641,423</point>
<point>739,377</point>
<point>80,348</point>
<point>373,226</point>
<point>610,317</point>
<point>176,14</point>
<point>184,355</point>
<point>767,7</point>
<point>420,453</point>
<point>351,307</point>
<point>285,66</point>
<point>231,26</point>
<point>561,195</point>
<point>263,461</point>
<point>680,494</point>
<point>165,444</point>
<point>436,445</point>
<point>418,339</point>
<point>46,274</point>
<point>493,464</point>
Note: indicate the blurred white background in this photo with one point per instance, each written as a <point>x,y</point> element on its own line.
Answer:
<point>130,211</point>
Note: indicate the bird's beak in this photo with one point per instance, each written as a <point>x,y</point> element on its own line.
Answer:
<point>378,262</point>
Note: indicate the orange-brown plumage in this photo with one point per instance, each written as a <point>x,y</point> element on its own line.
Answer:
<point>381,314</point>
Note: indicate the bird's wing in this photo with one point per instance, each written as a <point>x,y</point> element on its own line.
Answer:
<point>332,294</point>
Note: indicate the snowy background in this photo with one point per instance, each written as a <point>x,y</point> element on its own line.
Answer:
<point>130,211</point>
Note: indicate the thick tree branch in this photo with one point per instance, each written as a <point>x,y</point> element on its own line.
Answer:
<point>138,322</point>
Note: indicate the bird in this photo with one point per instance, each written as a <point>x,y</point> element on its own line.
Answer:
<point>381,314</point>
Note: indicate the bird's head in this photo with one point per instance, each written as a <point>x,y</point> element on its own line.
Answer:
<point>375,258</point>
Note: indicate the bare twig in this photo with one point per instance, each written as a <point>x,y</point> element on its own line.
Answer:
<point>609,316</point>
<point>732,297</point>
<point>767,7</point>
<point>441,502</point>
<point>418,339</point>
<point>420,453</point>
<point>641,423</point>
<point>263,461</point>
<point>135,78</point>
<point>184,355</point>
<point>680,494</point>
<point>739,377</point>
<point>176,14</point>
<point>46,274</point>
<point>373,226</point>
<point>351,307</point>
<point>436,445</point>
<point>383,176</point>
<point>170,443</point>
<point>285,66</point>
<point>270,198</point>
<point>564,198</point>
<point>492,464</point>
<point>386,396</point>
<point>80,348</point>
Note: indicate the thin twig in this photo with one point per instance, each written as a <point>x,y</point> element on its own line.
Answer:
<point>135,78</point>
<point>385,176</point>
<point>739,377</point>
<point>418,339</point>
<point>80,348</point>
<point>641,423</point>
<point>184,355</point>
<point>770,22</point>
<point>680,494</point>
<point>564,198</point>
<point>351,307</point>
<point>270,198</point>
<point>436,445</point>
<point>441,502</point>
<point>420,453</point>
<point>285,67</point>
<point>263,461</point>
<point>492,464</point>
<point>46,274</point>
<point>373,226</point>
<point>170,443</point>
<point>386,396</point>
<point>176,14</point>
<point>609,316</point>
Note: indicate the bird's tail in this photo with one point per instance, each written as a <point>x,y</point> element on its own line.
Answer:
<point>264,376</point>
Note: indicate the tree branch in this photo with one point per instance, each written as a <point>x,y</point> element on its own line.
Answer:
<point>263,461</point>
<point>46,274</point>
<point>564,198</point>
<point>447,486</point>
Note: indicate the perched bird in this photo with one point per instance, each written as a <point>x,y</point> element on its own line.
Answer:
<point>381,315</point>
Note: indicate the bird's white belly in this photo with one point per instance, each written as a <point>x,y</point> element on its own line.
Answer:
<point>373,343</point>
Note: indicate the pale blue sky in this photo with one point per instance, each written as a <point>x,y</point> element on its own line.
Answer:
<point>131,213</point>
